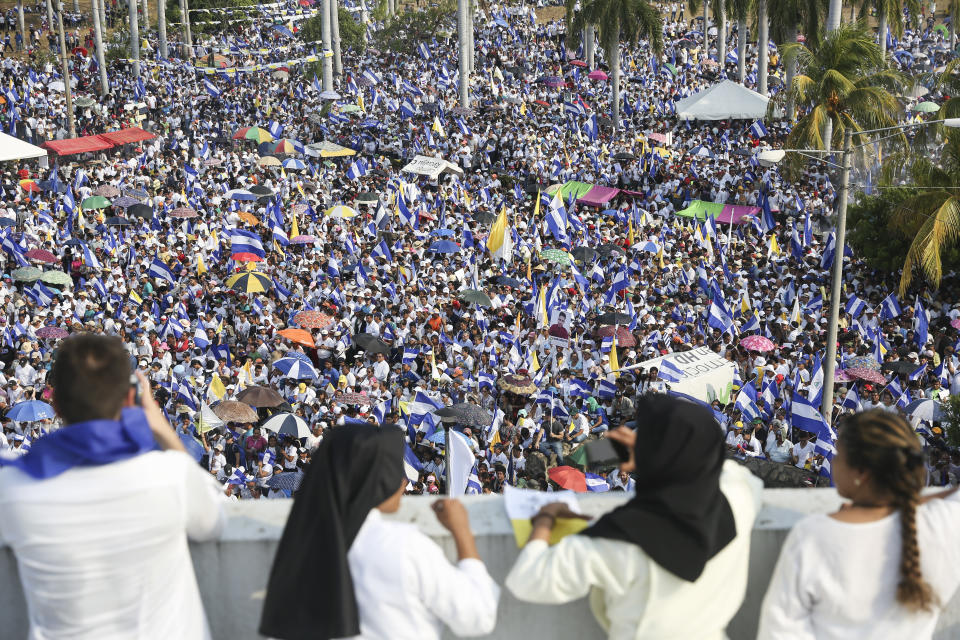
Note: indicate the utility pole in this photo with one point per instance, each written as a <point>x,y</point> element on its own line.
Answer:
<point>21,24</point>
<point>464,47</point>
<point>830,360</point>
<point>50,23</point>
<point>162,28</point>
<point>325,29</point>
<point>186,28</point>
<point>134,37</point>
<point>98,47</point>
<point>335,32</point>
<point>67,76</point>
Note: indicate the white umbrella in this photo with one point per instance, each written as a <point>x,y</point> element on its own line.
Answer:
<point>288,424</point>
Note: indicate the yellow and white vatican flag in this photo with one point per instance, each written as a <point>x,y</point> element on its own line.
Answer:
<point>500,241</point>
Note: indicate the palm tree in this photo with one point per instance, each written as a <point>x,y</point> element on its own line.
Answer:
<point>617,20</point>
<point>889,15</point>
<point>788,19</point>
<point>741,11</point>
<point>932,216</point>
<point>719,9</point>
<point>763,50</point>
<point>843,81</point>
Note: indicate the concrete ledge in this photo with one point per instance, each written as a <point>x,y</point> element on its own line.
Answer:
<point>232,571</point>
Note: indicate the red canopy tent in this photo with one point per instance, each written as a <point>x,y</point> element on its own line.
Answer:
<point>126,136</point>
<point>71,146</point>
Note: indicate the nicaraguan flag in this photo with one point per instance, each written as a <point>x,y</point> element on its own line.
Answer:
<point>596,484</point>
<point>211,88</point>
<point>158,269</point>
<point>669,371</point>
<point>855,306</point>
<point>757,130</point>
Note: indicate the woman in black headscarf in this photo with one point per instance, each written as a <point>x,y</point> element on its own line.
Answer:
<point>671,562</point>
<point>341,571</point>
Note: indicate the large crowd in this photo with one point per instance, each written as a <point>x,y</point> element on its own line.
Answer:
<point>233,253</point>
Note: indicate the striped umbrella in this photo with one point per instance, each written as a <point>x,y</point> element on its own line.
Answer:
<point>253,133</point>
<point>313,319</point>
<point>249,282</point>
<point>288,424</point>
<point>295,368</point>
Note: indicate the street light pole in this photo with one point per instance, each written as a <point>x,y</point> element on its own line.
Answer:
<point>830,361</point>
<point>67,76</point>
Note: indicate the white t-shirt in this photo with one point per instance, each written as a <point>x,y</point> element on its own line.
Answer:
<point>102,551</point>
<point>802,452</point>
<point>838,580</point>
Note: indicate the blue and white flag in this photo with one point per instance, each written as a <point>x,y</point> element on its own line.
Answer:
<point>211,88</point>
<point>757,130</point>
<point>242,241</point>
<point>855,306</point>
<point>669,371</point>
<point>890,308</point>
<point>423,50</point>
<point>158,269</point>
<point>596,484</point>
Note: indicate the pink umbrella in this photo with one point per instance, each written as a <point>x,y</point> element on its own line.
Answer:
<point>597,74</point>
<point>757,343</point>
<point>870,375</point>
<point>955,323</point>
<point>658,137</point>
<point>841,375</point>
<point>41,255</point>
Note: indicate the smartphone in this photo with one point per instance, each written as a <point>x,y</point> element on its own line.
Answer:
<point>135,385</point>
<point>606,452</point>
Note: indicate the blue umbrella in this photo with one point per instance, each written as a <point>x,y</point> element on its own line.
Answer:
<point>53,185</point>
<point>8,222</point>
<point>438,437</point>
<point>297,354</point>
<point>444,246</point>
<point>925,409</point>
<point>31,411</point>
<point>295,368</point>
<point>193,447</point>
<point>294,163</point>
<point>241,194</point>
<point>282,29</point>
<point>287,482</point>
<point>445,233</point>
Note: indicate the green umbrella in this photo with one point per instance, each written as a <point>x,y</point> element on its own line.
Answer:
<point>95,202</point>
<point>942,28</point>
<point>84,102</point>
<point>351,108</point>
<point>475,296</point>
<point>671,68</point>
<point>26,274</point>
<point>926,107</point>
<point>558,256</point>
<point>55,277</point>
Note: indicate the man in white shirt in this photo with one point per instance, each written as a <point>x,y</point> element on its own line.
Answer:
<point>101,546</point>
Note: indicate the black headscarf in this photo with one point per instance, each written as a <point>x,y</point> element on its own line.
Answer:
<point>679,516</point>
<point>310,592</point>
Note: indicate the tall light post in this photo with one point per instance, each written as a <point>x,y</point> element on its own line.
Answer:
<point>98,46</point>
<point>830,358</point>
<point>67,76</point>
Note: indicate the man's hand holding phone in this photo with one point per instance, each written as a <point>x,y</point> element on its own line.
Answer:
<point>163,433</point>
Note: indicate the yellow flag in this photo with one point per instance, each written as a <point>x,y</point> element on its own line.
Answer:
<point>201,267</point>
<point>496,438</point>
<point>774,246</point>
<point>536,208</point>
<point>542,307</point>
<point>433,367</point>
<point>614,363</point>
<point>630,230</point>
<point>534,363</point>
<point>660,257</point>
<point>294,228</point>
<point>360,102</point>
<point>135,298</point>
<point>523,108</point>
<point>216,389</point>
<point>745,305</point>
<point>500,242</point>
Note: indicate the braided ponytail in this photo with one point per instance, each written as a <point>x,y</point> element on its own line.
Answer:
<point>913,592</point>
<point>885,445</point>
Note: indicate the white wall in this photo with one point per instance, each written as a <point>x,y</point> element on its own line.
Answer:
<point>233,571</point>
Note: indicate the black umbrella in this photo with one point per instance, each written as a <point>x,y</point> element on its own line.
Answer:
<point>584,254</point>
<point>371,343</point>
<point>687,44</point>
<point>607,249</point>
<point>257,396</point>
<point>140,211</point>
<point>261,190</point>
<point>624,155</point>
<point>613,317</point>
<point>117,221</point>
<point>899,367</point>
<point>742,152</point>
<point>466,414</point>
<point>484,217</point>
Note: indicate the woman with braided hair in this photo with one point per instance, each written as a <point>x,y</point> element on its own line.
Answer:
<point>884,564</point>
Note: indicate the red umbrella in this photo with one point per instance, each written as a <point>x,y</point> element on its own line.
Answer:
<point>569,478</point>
<point>757,343</point>
<point>246,257</point>
<point>80,50</point>
<point>578,63</point>
<point>313,319</point>
<point>624,337</point>
<point>41,255</point>
<point>299,336</point>
<point>183,212</point>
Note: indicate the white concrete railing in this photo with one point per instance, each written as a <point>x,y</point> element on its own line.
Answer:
<point>233,597</point>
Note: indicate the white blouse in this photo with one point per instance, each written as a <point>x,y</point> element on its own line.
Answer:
<point>839,579</point>
<point>406,589</point>
<point>630,594</point>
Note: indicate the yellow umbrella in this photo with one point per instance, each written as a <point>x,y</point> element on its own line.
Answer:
<point>249,282</point>
<point>269,161</point>
<point>340,211</point>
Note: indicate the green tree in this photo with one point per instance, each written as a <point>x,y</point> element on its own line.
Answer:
<point>209,16</point>
<point>889,15</point>
<point>351,31</point>
<point>404,31</point>
<point>788,18</point>
<point>842,82</point>
<point>931,218</point>
<point>616,20</point>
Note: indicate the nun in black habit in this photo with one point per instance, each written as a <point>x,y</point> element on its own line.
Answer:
<point>342,570</point>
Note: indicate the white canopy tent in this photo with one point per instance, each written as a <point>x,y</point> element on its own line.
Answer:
<point>724,101</point>
<point>16,149</point>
